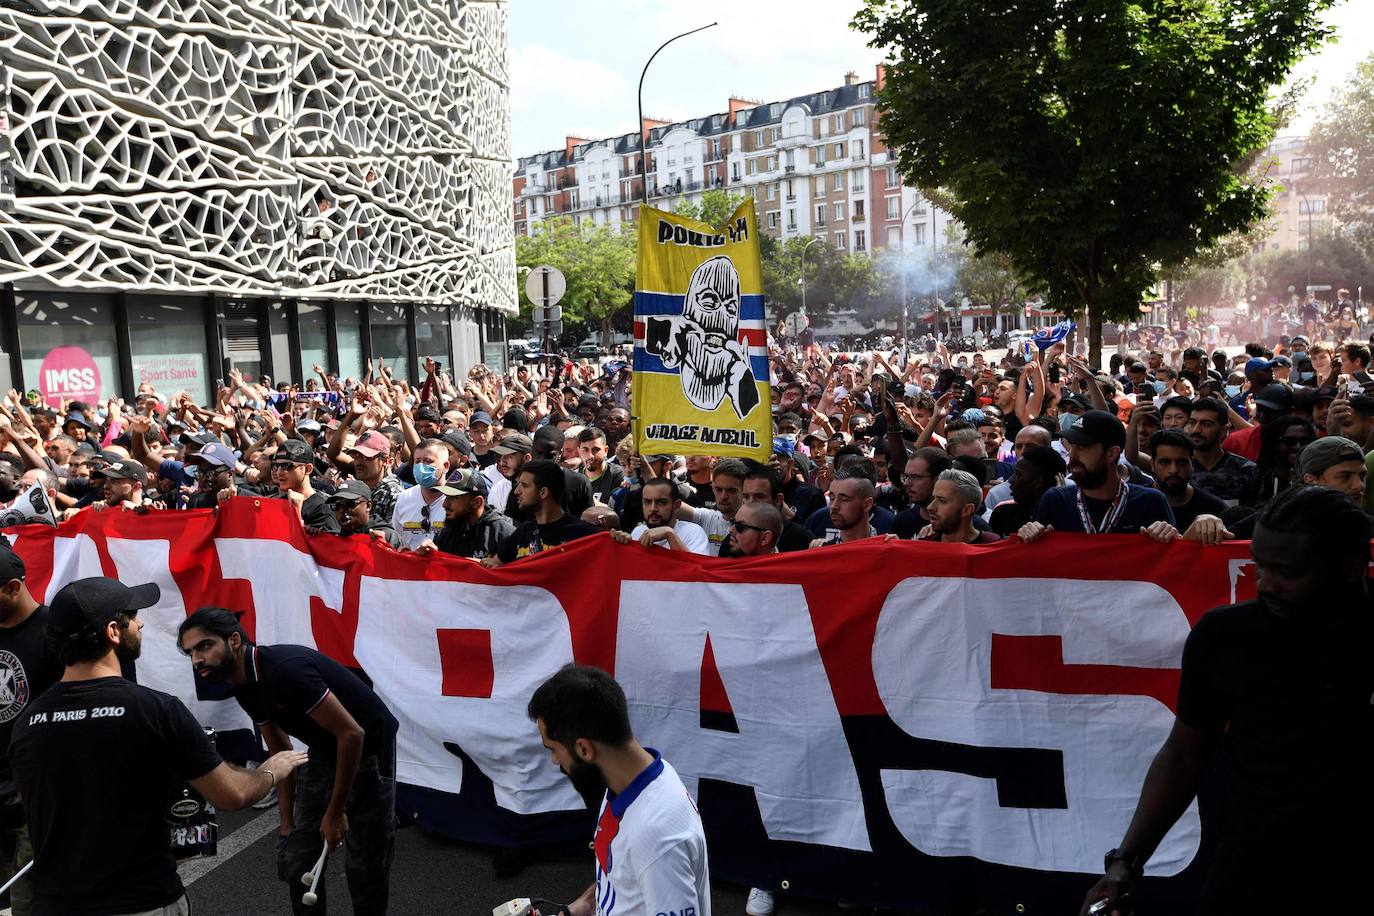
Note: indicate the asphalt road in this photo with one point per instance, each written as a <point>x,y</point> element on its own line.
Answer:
<point>432,875</point>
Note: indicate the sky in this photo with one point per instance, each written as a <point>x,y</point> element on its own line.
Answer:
<point>575,66</point>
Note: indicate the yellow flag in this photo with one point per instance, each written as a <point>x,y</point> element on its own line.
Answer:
<point>701,343</point>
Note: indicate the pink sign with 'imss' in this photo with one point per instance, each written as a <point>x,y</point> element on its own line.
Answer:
<point>68,373</point>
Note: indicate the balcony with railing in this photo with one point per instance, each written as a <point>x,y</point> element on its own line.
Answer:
<point>857,217</point>
<point>857,157</point>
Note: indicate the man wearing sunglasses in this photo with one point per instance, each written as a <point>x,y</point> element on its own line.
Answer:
<point>291,467</point>
<point>755,530</point>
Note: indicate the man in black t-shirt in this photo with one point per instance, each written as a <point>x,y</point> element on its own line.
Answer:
<point>291,468</point>
<point>346,794</point>
<point>1281,686</point>
<point>603,476</point>
<point>97,757</point>
<point>539,491</point>
<point>1171,463</point>
<point>27,668</point>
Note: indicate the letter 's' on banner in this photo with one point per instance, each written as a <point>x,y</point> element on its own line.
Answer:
<point>701,343</point>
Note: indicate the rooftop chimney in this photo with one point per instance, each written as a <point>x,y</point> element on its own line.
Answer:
<point>851,78</point>
<point>881,77</point>
<point>736,106</point>
<point>569,142</point>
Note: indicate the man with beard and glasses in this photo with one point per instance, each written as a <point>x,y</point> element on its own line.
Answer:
<point>1171,463</point>
<point>1280,687</point>
<point>650,847</point>
<point>96,756</point>
<point>661,524</point>
<point>346,794</point>
<point>918,478</point>
<point>1098,501</point>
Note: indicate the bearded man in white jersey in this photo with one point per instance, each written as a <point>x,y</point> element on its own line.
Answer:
<point>650,846</point>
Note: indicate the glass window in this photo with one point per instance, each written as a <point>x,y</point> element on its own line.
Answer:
<point>432,336</point>
<point>389,337</point>
<point>348,324</point>
<point>239,337</point>
<point>167,340</point>
<point>314,338</point>
<point>67,342</point>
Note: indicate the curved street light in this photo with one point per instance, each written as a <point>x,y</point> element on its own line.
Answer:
<point>643,162</point>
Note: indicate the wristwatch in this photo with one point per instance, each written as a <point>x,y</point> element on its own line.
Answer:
<point>1125,857</point>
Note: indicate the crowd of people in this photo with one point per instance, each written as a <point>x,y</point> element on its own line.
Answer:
<point>907,443</point>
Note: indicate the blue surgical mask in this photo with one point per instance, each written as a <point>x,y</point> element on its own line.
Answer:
<point>1159,387</point>
<point>190,471</point>
<point>1232,390</point>
<point>1066,422</point>
<point>425,475</point>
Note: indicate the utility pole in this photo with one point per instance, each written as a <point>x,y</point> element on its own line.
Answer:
<point>643,161</point>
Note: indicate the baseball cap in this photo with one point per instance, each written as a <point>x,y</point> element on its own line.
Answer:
<point>11,564</point>
<point>426,415</point>
<point>459,440</point>
<point>1258,364</point>
<point>515,445</point>
<point>296,452</point>
<point>912,391</point>
<point>124,469</point>
<point>350,492</point>
<point>1276,396</point>
<point>785,447</point>
<point>1327,452</point>
<point>1283,361</point>
<point>464,481</point>
<point>216,453</point>
<point>516,419</point>
<point>87,605</point>
<point>371,444</point>
<point>1327,393</point>
<point>198,439</point>
<point>1097,427</point>
<point>480,416</point>
<point>78,419</point>
<point>308,426</point>
<point>1075,399</point>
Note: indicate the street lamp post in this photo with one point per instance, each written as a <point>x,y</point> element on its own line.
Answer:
<point>805,245</point>
<point>643,162</point>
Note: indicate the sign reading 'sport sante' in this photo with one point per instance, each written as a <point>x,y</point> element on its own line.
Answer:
<point>68,373</point>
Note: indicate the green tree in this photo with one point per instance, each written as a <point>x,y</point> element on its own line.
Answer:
<point>1091,143</point>
<point>713,209</point>
<point>1341,145</point>
<point>598,262</point>
<point>1334,260</point>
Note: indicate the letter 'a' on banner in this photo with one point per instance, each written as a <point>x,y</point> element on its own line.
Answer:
<point>701,342</point>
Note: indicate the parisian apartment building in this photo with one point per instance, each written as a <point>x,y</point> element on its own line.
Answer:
<point>816,165</point>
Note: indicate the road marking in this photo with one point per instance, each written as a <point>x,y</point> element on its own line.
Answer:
<point>192,870</point>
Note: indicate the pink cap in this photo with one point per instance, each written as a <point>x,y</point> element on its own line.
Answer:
<point>371,445</point>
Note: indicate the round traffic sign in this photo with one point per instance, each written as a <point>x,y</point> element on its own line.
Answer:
<point>545,285</point>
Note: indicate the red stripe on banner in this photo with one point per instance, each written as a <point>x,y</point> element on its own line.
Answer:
<point>465,657</point>
<point>713,695</point>
<point>1037,663</point>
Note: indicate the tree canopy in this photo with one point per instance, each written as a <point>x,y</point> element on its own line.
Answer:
<point>597,261</point>
<point>1090,143</point>
<point>1341,147</point>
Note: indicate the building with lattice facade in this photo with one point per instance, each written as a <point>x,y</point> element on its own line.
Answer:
<point>187,185</point>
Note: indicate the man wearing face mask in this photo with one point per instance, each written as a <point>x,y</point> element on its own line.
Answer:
<point>650,846</point>
<point>419,513</point>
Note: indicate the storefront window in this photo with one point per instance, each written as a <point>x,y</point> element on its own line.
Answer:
<point>389,337</point>
<point>239,338</point>
<point>348,322</point>
<point>67,341</point>
<point>432,335</point>
<point>314,339</point>
<point>167,337</point>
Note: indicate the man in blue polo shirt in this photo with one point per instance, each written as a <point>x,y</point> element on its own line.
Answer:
<point>1098,501</point>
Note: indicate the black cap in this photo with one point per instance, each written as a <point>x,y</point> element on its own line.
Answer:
<point>350,492</point>
<point>515,445</point>
<point>1097,427</point>
<point>1276,397</point>
<point>124,469</point>
<point>516,419</point>
<point>295,451</point>
<point>459,440</point>
<point>426,415</point>
<point>11,565</point>
<point>87,605</point>
<point>464,481</point>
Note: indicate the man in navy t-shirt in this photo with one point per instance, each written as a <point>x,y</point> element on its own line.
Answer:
<point>1098,501</point>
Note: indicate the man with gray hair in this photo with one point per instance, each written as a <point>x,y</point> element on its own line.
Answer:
<point>953,503</point>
